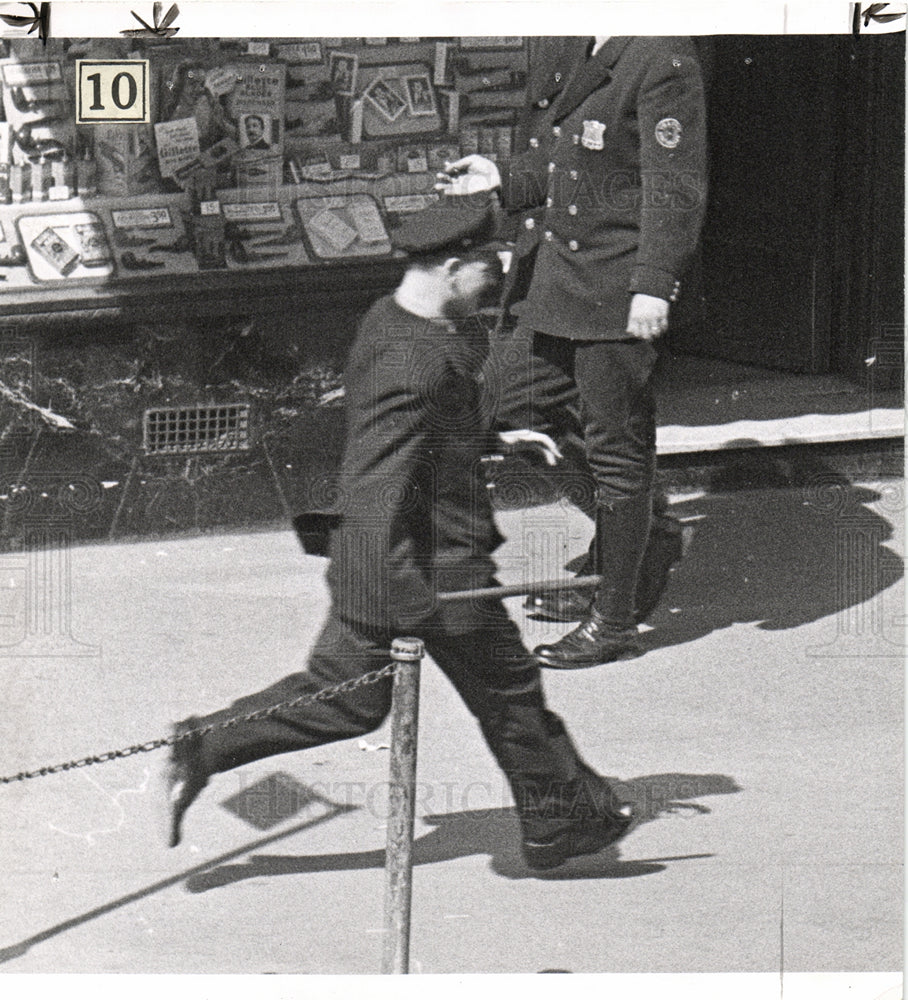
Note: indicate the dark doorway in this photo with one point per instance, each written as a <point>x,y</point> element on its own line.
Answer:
<point>802,259</point>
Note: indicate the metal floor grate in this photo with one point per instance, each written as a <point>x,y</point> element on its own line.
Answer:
<point>189,429</point>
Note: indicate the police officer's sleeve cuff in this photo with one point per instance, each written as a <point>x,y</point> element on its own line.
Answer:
<point>649,280</point>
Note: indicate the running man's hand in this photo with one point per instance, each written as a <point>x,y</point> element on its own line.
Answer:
<point>472,174</point>
<point>535,440</point>
<point>648,317</point>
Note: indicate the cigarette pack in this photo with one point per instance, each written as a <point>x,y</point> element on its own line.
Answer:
<point>366,218</point>
<point>333,229</point>
<point>93,240</point>
<point>50,245</point>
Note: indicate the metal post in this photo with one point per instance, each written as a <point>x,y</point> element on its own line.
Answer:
<point>407,654</point>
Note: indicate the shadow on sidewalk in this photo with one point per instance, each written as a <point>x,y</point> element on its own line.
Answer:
<point>794,546</point>
<point>496,832</point>
<point>778,539</point>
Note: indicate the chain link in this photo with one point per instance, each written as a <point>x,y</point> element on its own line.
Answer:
<point>325,694</point>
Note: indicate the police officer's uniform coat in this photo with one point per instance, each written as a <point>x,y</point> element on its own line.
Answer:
<point>619,166</point>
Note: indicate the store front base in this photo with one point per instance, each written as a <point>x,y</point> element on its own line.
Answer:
<point>710,405</point>
<point>721,426</point>
<point>725,426</point>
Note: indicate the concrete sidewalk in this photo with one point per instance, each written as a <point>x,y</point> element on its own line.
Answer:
<point>761,734</point>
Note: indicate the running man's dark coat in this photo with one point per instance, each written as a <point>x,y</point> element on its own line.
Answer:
<point>415,512</point>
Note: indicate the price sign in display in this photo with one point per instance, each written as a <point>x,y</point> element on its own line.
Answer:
<point>111,91</point>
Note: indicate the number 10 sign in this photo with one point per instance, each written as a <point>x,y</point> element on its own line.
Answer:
<point>112,90</point>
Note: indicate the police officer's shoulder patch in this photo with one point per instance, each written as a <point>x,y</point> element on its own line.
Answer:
<point>668,132</point>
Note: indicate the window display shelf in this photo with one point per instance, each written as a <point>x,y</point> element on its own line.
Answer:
<point>259,175</point>
<point>145,258</point>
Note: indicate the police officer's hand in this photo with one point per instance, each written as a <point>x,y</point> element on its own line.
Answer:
<point>648,317</point>
<point>470,175</point>
<point>525,438</point>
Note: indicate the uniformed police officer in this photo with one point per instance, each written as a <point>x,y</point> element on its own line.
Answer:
<point>516,384</point>
<point>619,167</point>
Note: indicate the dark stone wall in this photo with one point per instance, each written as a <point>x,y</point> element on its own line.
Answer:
<point>93,481</point>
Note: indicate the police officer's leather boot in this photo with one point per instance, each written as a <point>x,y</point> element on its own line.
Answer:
<point>609,631</point>
<point>664,549</point>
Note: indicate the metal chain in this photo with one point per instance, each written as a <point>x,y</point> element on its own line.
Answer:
<point>325,694</point>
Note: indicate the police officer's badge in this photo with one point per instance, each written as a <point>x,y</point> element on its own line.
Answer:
<point>592,135</point>
<point>668,132</point>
